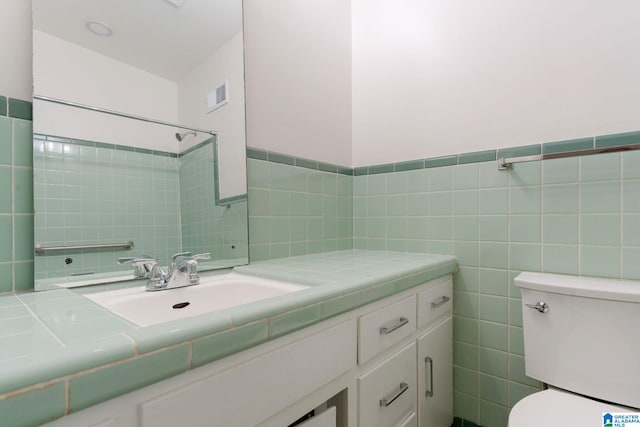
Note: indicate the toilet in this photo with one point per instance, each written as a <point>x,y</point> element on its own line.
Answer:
<point>582,339</point>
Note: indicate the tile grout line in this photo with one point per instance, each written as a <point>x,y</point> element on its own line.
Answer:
<point>67,395</point>
<point>13,208</point>
<point>579,183</point>
<point>620,216</point>
<point>46,328</point>
<point>509,275</point>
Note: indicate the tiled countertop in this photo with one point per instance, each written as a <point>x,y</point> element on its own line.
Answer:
<point>56,345</point>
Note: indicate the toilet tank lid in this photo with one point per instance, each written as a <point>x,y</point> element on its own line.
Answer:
<point>584,286</point>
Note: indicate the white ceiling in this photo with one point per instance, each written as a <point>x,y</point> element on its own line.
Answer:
<point>149,34</point>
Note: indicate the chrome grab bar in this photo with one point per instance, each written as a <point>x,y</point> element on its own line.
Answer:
<point>41,250</point>
<point>388,400</point>
<point>387,329</point>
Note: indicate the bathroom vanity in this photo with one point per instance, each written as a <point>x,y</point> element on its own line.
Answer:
<point>370,335</point>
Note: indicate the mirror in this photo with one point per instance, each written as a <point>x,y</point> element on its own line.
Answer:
<point>139,136</point>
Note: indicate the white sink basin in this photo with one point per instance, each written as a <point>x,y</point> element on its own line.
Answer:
<point>213,293</point>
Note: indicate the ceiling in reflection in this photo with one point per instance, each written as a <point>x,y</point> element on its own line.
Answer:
<point>198,28</point>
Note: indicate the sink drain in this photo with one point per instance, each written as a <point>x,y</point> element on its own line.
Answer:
<point>181,305</point>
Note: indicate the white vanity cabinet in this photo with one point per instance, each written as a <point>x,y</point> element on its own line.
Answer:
<point>412,386</point>
<point>387,364</point>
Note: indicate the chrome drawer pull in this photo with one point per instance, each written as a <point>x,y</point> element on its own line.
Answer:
<point>388,400</point>
<point>444,299</point>
<point>387,329</point>
<point>429,361</point>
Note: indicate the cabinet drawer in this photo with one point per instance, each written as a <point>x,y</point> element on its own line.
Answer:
<point>387,393</point>
<point>434,302</point>
<point>383,328</point>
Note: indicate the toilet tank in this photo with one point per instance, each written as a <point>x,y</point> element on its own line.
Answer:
<point>588,340</point>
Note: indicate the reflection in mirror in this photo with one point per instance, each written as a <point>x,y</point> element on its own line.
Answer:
<point>174,182</point>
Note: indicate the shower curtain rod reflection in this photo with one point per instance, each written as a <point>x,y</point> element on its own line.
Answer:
<point>119,114</point>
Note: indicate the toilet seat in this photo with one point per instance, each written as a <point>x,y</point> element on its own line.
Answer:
<point>558,408</point>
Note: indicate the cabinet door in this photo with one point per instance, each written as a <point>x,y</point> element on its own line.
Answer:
<point>435,376</point>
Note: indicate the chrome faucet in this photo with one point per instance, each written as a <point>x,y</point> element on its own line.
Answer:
<point>182,271</point>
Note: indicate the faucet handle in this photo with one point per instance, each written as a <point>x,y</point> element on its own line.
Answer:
<point>176,257</point>
<point>190,267</point>
<point>144,265</point>
<point>135,259</point>
<point>126,259</point>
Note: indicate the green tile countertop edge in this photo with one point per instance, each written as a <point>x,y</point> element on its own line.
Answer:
<point>338,282</point>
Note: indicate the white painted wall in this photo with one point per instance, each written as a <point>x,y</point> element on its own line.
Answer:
<point>68,71</point>
<point>437,77</point>
<point>226,63</point>
<point>298,77</point>
<point>15,45</point>
<point>430,77</point>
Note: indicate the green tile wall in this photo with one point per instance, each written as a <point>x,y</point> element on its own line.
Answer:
<point>3,106</point>
<point>296,210</point>
<point>93,193</point>
<point>16,196</point>
<point>206,227</point>
<point>577,215</point>
<point>574,215</point>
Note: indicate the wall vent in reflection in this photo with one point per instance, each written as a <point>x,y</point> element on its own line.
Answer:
<point>218,97</point>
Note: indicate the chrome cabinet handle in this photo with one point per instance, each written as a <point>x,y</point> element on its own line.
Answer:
<point>388,400</point>
<point>541,306</point>
<point>387,329</point>
<point>444,299</point>
<point>429,361</point>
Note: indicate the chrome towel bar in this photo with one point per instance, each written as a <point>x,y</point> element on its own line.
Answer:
<point>41,250</point>
<point>507,163</point>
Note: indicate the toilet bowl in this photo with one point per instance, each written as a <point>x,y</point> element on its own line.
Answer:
<point>580,338</point>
